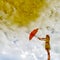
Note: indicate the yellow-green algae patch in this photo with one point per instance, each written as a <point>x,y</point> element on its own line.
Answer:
<point>21,12</point>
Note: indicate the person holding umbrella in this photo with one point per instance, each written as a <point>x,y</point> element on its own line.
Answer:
<point>47,44</point>
<point>47,41</point>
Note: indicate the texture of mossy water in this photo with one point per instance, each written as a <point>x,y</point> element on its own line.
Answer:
<point>21,12</point>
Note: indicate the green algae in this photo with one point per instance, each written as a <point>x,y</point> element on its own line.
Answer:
<point>22,12</point>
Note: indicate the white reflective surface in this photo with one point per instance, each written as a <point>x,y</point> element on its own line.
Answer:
<point>16,46</point>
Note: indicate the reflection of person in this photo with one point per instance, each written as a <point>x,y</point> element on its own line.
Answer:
<point>47,44</point>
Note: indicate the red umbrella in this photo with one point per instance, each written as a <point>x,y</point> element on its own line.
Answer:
<point>33,33</point>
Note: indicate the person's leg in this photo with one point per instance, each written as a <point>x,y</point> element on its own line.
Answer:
<point>48,54</point>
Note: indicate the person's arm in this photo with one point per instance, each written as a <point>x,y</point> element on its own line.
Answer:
<point>41,38</point>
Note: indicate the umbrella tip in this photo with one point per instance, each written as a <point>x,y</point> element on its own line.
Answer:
<point>37,28</point>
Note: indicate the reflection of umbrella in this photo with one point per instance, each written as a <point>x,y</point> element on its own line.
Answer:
<point>33,33</point>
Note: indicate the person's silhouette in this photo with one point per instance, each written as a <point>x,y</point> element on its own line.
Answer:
<point>47,44</point>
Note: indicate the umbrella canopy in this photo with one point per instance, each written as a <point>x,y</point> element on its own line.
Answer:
<point>33,33</point>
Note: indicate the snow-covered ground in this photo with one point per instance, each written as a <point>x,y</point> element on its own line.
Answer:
<point>15,45</point>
